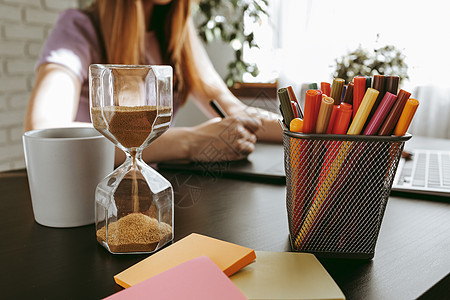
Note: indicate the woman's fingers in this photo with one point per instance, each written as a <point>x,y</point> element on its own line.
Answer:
<point>238,136</point>
<point>222,140</point>
<point>252,124</point>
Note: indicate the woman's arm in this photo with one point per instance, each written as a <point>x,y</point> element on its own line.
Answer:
<point>54,103</point>
<point>54,99</point>
<point>270,129</point>
<point>214,140</point>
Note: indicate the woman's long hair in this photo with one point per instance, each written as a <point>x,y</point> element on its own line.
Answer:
<point>122,26</point>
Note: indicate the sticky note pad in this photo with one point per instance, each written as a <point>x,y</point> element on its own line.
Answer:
<point>287,276</point>
<point>227,256</point>
<point>195,279</point>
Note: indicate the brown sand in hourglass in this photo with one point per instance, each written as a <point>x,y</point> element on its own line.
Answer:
<point>131,126</point>
<point>134,232</point>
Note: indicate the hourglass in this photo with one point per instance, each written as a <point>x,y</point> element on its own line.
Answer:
<point>132,106</point>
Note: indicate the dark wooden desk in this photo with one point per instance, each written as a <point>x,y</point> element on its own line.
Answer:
<point>412,257</point>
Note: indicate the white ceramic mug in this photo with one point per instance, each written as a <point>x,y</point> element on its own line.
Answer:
<point>64,166</point>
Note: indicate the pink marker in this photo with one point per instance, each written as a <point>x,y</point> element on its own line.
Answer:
<point>380,114</point>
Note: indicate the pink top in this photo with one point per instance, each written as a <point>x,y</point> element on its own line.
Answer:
<point>74,43</point>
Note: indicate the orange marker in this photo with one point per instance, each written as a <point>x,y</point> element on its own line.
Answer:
<point>309,119</point>
<point>343,116</point>
<point>406,117</point>
<point>296,125</point>
<point>317,106</point>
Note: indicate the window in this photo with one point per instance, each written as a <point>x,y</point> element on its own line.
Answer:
<point>301,39</point>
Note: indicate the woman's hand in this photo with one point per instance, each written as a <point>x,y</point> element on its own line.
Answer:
<point>231,138</point>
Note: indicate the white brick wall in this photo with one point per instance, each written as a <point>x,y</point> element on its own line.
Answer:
<point>24,26</point>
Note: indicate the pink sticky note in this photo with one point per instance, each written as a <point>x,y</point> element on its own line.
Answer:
<point>197,279</point>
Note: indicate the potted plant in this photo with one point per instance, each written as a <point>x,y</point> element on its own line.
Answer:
<point>224,20</point>
<point>387,60</point>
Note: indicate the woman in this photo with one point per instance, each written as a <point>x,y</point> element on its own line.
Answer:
<point>143,32</point>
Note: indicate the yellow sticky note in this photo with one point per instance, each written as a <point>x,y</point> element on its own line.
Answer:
<point>286,275</point>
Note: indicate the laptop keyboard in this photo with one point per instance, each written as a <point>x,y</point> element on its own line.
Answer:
<point>426,169</point>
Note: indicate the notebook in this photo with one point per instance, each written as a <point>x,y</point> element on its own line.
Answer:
<point>196,279</point>
<point>425,172</point>
<point>229,257</point>
<point>266,163</point>
<point>286,275</point>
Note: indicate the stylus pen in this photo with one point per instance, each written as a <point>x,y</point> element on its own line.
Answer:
<point>217,108</point>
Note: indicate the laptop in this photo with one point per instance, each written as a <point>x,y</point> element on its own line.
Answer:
<point>424,172</point>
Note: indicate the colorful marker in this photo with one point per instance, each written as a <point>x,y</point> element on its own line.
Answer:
<point>296,125</point>
<point>309,119</point>
<point>359,89</point>
<point>406,117</point>
<point>286,106</point>
<point>323,118</point>
<point>325,87</point>
<point>379,83</point>
<point>332,119</point>
<point>363,111</point>
<point>380,114</point>
<point>391,120</point>
<point>317,104</point>
<point>343,116</point>
<point>392,84</point>
<point>368,82</point>
<point>336,90</point>
<point>348,96</point>
<point>294,109</point>
<point>312,86</point>
<point>294,98</point>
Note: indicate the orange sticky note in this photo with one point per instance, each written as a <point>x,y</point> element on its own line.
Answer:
<point>196,279</point>
<point>229,257</point>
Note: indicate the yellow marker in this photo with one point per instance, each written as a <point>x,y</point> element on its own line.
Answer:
<point>363,111</point>
<point>296,125</point>
<point>406,117</point>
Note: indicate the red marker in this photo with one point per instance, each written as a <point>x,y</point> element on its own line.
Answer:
<point>359,89</point>
<point>325,87</point>
<point>391,120</point>
<point>332,119</point>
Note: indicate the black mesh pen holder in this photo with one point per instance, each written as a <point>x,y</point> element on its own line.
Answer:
<point>337,187</point>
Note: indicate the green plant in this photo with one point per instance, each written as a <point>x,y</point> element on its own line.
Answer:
<point>387,60</point>
<point>224,20</point>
